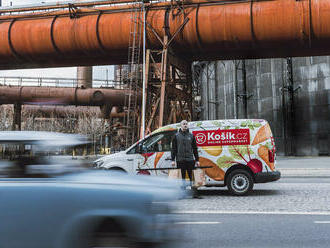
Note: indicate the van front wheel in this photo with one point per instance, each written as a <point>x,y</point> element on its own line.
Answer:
<point>239,182</point>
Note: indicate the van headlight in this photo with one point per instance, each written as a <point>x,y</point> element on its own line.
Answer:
<point>98,164</point>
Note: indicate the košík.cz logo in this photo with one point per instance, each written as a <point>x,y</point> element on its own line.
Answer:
<point>222,137</point>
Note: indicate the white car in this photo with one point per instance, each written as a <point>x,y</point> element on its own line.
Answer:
<point>87,208</point>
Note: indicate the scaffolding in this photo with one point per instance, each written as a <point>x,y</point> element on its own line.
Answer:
<point>134,74</point>
<point>169,86</point>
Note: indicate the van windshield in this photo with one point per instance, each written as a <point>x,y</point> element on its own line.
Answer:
<point>159,142</point>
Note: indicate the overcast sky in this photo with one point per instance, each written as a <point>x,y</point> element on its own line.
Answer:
<point>26,2</point>
<point>99,72</point>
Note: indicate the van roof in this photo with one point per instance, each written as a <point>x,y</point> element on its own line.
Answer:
<point>222,124</point>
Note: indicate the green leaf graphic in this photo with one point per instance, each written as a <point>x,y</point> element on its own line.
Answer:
<point>225,161</point>
<point>237,150</point>
<point>269,145</point>
<point>251,126</point>
<point>216,123</point>
<point>233,152</point>
<point>257,124</point>
<point>243,124</point>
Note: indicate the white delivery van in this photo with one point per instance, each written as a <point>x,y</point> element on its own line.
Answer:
<point>240,153</point>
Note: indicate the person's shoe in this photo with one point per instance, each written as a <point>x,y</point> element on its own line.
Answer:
<point>195,193</point>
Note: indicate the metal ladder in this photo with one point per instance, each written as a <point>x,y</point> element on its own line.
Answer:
<point>134,74</point>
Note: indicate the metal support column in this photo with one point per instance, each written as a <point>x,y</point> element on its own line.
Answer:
<point>145,90</point>
<point>17,117</point>
<point>190,92</point>
<point>288,109</point>
<point>245,96</point>
<point>164,79</point>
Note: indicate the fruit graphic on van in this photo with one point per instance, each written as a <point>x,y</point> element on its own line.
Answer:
<point>213,150</point>
<point>215,172</point>
<point>262,135</point>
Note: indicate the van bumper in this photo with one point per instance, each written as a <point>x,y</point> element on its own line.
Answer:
<point>264,177</point>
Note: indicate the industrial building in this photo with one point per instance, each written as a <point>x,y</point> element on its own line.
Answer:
<point>204,59</point>
<point>293,94</point>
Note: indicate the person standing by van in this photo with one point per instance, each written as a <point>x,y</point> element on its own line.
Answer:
<point>184,150</point>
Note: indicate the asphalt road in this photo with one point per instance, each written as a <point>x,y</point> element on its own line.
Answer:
<point>254,230</point>
<point>287,194</point>
<point>293,212</point>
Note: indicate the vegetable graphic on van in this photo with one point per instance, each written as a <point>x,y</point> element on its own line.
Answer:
<point>238,152</point>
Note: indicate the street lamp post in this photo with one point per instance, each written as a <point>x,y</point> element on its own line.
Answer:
<point>144,74</point>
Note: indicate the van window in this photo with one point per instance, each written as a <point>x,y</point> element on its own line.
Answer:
<point>160,142</point>
<point>133,149</point>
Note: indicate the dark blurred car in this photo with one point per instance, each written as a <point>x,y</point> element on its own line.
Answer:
<point>88,208</point>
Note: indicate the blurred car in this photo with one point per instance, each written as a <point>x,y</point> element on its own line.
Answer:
<point>88,208</point>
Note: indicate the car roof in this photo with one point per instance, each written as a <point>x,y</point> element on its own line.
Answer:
<point>42,138</point>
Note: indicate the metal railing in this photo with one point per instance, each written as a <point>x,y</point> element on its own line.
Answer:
<point>54,6</point>
<point>56,82</point>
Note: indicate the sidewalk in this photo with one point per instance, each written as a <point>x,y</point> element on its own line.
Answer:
<point>303,166</point>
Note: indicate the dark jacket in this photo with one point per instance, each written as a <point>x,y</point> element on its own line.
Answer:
<point>184,147</point>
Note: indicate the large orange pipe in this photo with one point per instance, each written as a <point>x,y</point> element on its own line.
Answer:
<point>247,29</point>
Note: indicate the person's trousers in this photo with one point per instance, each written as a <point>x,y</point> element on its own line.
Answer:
<point>186,166</point>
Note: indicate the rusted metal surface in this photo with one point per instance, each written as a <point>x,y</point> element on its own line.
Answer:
<point>217,30</point>
<point>67,111</point>
<point>85,77</point>
<point>63,96</point>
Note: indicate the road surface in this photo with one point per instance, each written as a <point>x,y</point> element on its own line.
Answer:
<point>293,212</point>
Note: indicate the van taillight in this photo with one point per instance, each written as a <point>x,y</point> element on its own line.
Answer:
<point>271,156</point>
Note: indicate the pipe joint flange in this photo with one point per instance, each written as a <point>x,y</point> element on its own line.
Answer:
<point>98,97</point>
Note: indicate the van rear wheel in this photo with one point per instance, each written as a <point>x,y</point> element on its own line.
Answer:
<point>239,182</point>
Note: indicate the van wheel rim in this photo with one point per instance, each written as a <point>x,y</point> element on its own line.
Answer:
<point>240,183</point>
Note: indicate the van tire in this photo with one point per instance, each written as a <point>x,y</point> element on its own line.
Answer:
<point>239,182</point>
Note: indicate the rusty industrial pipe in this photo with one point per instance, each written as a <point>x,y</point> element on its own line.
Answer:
<point>216,30</point>
<point>64,96</point>
<point>68,111</point>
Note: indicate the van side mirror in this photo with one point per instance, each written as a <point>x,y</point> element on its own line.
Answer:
<point>139,148</point>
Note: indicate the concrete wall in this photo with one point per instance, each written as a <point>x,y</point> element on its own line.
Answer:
<point>293,95</point>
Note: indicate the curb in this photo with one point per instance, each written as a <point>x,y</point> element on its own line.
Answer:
<point>305,172</point>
